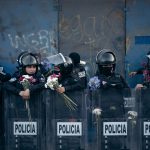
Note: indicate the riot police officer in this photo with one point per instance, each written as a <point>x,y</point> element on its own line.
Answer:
<point>111,84</point>
<point>73,75</point>
<point>73,84</point>
<point>4,77</point>
<point>110,91</point>
<point>106,61</point>
<point>145,71</point>
<point>24,92</point>
<point>78,69</point>
<point>28,65</point>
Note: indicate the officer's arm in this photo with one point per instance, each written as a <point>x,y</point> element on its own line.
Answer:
<point>75,86</point>
<point>37,87</point>
<point>4,77</point>
<point>10,86</point>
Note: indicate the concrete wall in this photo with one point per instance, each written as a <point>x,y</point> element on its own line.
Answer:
<point>87,26</point>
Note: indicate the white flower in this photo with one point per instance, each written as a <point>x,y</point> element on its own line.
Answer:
<point>97,111</point>
<point>26,76</point>
<point>51,82</point>
<point>132,114</point>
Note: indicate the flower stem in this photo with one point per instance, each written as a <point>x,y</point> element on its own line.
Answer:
<point>28,109</point>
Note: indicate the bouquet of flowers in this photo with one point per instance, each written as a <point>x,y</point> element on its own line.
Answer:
<point>97,112</point>
<point>52,83</point>
<point>132,115</point>
<point>94,83</point>
<point>26,81</point>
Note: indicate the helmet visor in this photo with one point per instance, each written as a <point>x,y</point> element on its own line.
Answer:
<point>56,59</point>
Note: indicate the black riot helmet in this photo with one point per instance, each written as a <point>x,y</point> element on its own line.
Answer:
<point>105,57</point>
<point>106,61</point>
<point>28,60</point>
<point>19,59</point>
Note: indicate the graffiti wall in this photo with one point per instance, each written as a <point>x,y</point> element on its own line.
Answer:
<point>89,26</point>
<point>27,26</point>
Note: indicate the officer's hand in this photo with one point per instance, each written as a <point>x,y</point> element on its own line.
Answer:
<point>25,94</point>
<point>104,82</point>
<point>131,74</point>
<point>139,86</point>
<point>22,94</point>
<point>60,89</point>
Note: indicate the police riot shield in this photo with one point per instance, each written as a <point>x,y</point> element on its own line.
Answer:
<point>68,121</point>
<point>131,113</point>
<point>1,119</point>
<point>143,97</point>
<point>108,118</point>
<point>24,122</point>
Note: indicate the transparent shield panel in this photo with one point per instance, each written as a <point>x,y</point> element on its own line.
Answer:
<point>115,107</point>
<point>50,113</point>
<point>131,115</point>
<point>112,134</point>
<point>65,127</point>
<point>24,128</point>
<point>143,96</point>
<point>69,134</point>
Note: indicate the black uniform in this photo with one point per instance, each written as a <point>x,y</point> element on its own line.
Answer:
<point>112,89</point>
<point>26,59</point>
<point>18,109</point>
<point>4,77</point>
<point>73,79</point>
<point>15,86</point>
<point>36,85</point>
<point>74,82</point>
<point>109,97</point>
<point>112,85</point>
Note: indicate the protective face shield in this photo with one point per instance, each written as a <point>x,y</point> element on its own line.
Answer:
<point>56,59</point>
<point>106,61</point>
